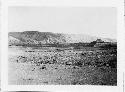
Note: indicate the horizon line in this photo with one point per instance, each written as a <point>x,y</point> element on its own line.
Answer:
<point>67,33</point>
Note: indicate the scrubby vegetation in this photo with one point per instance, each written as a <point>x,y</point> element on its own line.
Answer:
<point>99,64</point>
<point>46,58</point>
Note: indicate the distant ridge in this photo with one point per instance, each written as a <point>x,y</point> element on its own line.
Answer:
<point>35,37</point>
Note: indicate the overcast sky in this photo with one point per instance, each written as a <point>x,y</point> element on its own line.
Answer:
<point>97,21</point>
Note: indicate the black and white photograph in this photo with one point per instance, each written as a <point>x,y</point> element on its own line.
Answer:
<point>62,46</point>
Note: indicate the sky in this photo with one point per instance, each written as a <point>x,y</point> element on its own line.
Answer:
<point>94,21</point>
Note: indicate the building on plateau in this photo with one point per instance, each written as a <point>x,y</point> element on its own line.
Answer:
<point>100,43</point>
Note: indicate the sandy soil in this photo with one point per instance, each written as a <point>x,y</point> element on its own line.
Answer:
<point>26,73</point>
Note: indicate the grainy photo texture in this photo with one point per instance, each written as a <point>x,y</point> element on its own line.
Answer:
<point>62,46</point>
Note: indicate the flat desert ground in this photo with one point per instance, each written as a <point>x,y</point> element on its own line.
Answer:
<point>52,66</point>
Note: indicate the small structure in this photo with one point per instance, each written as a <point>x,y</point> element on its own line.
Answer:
<point>99,43</point>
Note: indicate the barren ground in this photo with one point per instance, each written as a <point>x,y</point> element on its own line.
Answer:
<point>67,67</point>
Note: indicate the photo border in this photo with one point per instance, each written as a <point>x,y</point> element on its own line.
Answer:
<point>63,88</point>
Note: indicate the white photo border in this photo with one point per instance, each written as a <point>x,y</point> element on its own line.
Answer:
<point>63,88</point>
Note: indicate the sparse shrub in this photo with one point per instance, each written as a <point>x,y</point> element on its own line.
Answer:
<point>78,63</point>
<point>112,63</point>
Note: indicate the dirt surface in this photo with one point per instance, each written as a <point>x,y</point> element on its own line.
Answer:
<point>69,67</point>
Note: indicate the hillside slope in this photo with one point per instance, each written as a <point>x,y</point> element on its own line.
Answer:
<point>35,37</point>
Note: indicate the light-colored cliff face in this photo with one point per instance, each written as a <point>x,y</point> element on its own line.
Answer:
<point>35,37</point>
<point>76,38</point>
<point>13,40</point>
